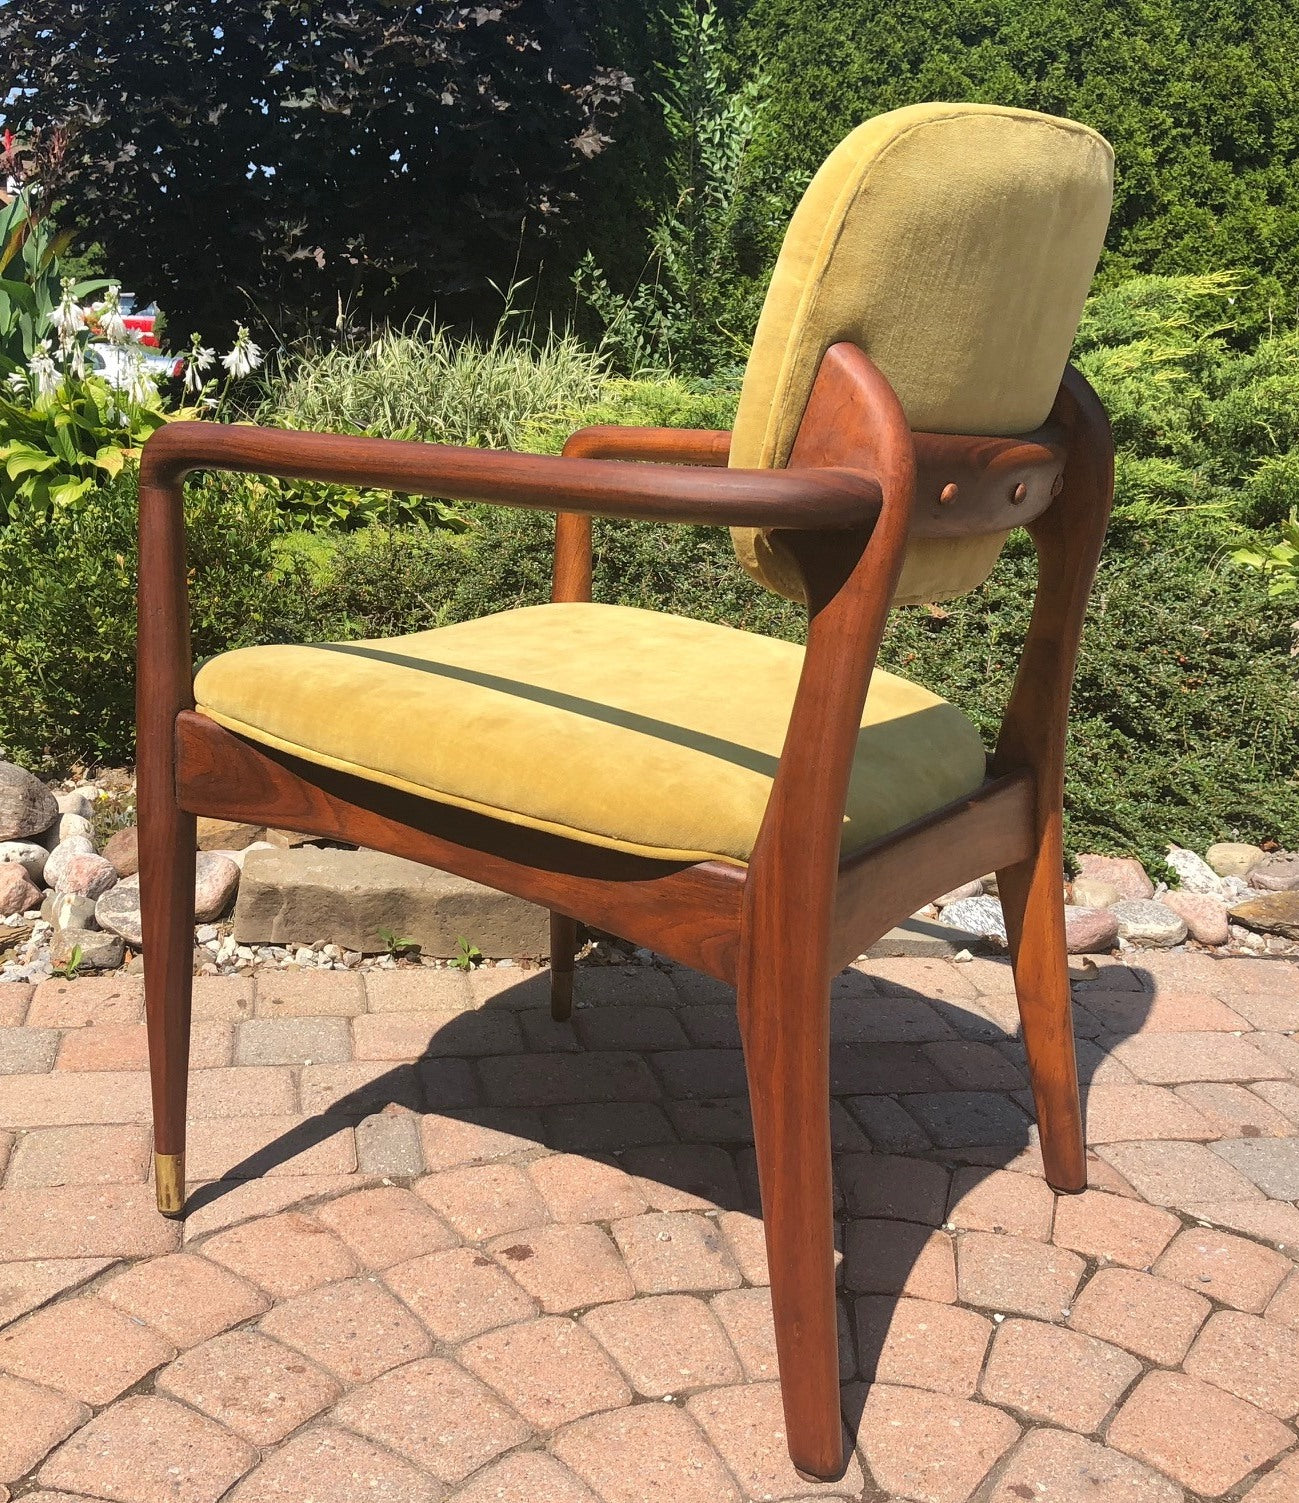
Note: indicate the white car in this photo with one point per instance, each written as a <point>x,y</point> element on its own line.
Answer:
<point>113,362</point>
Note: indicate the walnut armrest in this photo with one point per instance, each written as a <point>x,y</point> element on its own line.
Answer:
<point>709,446</point>
<point>830,498</point>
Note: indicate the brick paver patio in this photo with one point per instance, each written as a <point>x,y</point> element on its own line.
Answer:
<point>443,1248</point>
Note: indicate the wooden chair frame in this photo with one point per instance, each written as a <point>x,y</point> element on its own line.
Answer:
<point>860,484</point>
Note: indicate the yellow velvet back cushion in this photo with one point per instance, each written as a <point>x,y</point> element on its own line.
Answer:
<point>954,244</point>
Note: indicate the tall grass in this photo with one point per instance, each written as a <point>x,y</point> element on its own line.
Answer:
<point>422,382</point>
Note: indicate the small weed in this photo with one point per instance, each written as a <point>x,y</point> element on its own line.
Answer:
<point>467,956</point>
<point>397,947</point>
<point>68,970</point>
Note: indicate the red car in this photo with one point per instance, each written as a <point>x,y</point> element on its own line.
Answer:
<point>142,320</point>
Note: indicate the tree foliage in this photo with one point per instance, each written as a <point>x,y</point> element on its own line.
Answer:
<point>361,155</point>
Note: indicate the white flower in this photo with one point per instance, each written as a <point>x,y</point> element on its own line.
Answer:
<point>245,357</point>
<point>17,382</point>
<point>139,385</point>
<point>68,318</point>
<point>200,357</point>
<point>109,316</point>
<point>44,371</point>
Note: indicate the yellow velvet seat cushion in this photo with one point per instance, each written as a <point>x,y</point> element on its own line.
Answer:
<point>644,732</point>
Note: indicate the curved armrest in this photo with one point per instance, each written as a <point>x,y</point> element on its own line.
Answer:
<point>710,446</point>
<point>805,499</point>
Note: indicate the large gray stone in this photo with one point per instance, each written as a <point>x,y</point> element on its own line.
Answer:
<point>1277,873</point>
<point>1194,873</point>
<point>981,916</point>
<point>27,807</point>
<point>1124,872</point>
<point>307,895</point>
<point>1273,913</point>
<point>100,950</point>
<point>926,939</point>
<point>1233,858</point>
<point>119,911</point>
<point>27,854</point>
<point>1145,922</point>
<point>1089,931</point>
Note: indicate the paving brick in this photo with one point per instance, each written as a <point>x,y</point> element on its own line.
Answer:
<point>905,976</point>
<point>27,1285</point>
<point>387,1144</point>
<point>385,1225</point>
<point>1176,1174</point>
<point>1255,1359</point>
<point>185,1298</point>
<point>1281,1485</point>
<point>1284,1304</point>
<point>623,986</point>
<point>1056,1376</point>
<point>701,1074</point>
<point>727,1120</point>
<point>409,1035</point>
<point>887,1126</point>
<point>525,1477</point>
<point>1061,1468</point>
<point>1015,1275</point>
<point>504,986</point>
<point>14,998</point>
<point>293,1041</point>
<point>549,1370</point>
<point>253,1386</point>
<point>1112,1229</point>
<point>543,1034</point>
<point>149,1450</point>
<point>1281,1095</point>
<point>84,1348</point>
<point>878,1020</point>
<point>711,1027</point>
<point>747,1241</point>
<point>1229,1269</point>
<point>646,1451</point>
<point>901,1189</point>
<point>666,1344</point>
<point>564,1267</point>
<point>484,1200</point>
<point>125,1046</point>
<point>566,1079</point>
<point>1175,1058</point>
<point>91,999</point>
<point>226,999</point>
<point>1132,1113</point>
<point>1198,1435</point>
<point>478,1136</point>
<point>28,1051</point>
<point>747,1426</point>
<point>307,994</point>
<point>251,1092</point>
<point>360,1088</point>
<point>1259,977</point>
<point>67,1100</point>
<point>33,1420</point>
<point>80,1156</point>
<point>574,1188</point>
<point>354,1330</point>
<point>226,1203</point>
<point>326,1465</point>
<point>1274,1223</point>
<point>1141,1313</point>
<point>895,1257</point>
<point>1270,1163</point>
<point>431,987</point>
<point>1166,1012</point>
<point>882,1070</point>
<point>459,1293</point>
<point>746,1316</point>
<point>286,1254</point>
<point>675,1252</point>
<point>250,1147</point>
<point>1234,1111</point>
<point>920,1344</point>
<point>395,1408</point>
<point>1283,1047</point>
<point>447,1084</point>
<point>641,1028</point>
<point>997,1201</point>
<point>929,1445</point>
<point>954,1119</point>
<point>1096,1065</point>
<point>974,1066</point>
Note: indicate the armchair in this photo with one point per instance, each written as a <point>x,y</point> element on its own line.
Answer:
<point>759,812</point>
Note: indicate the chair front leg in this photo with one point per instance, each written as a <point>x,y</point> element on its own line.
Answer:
<point>785,1025</point>
<point>563,949</point>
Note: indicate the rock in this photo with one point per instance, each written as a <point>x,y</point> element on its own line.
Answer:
<point>1149,924</point>
<point>238,857</point>
<point>322,896</point>
<point>69,910</point>
<point>1274,913</point>
<point>226,835</point>
<point>75,802</point>
<point>119,911</point>
<point>27,854</point>
<point>100,951</point>
<point>65,851</point>
<point>1205,917</point>
<point>1233,858</point>
<point>87,874</point>
<point>1194,874</point>
<point>17,892</point>
<point>980,916</point>
<point>215,880</point>
<point>123,850</point>
<point>289,839</point>
<point>1089,931</point>
<point>965,890</point>
<point>923,938</point>
<point>1279,873</point>
<point>1124,872</point>
<point>27,807</point>
<point>1091,892</point>
<point>65,827</point>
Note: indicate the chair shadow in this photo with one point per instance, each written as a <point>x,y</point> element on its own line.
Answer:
<point>888,1097</point>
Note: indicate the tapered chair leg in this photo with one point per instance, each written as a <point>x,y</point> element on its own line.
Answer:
<point>787,1057</point>
<point>167,845</point>
<point>1032,900</point>
<point>563,948</point>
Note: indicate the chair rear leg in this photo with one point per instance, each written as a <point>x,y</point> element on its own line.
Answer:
<point>786,1034</point>
<point>563,947</point>
<point>167,847</point>
<point>1032,900</point>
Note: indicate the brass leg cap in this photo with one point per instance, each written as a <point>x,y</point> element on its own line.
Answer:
<point>169,1179</point>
